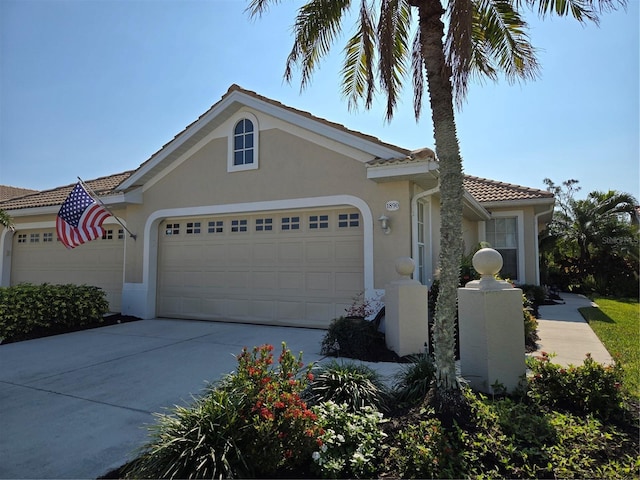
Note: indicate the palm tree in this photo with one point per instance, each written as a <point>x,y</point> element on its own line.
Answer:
<point>5,220</point>
<point>483,37</point>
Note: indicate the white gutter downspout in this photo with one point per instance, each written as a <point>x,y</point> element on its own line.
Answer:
<point>537,246</point>
<point>414,227</point>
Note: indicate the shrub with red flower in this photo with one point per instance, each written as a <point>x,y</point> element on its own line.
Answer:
<point>281,432</point>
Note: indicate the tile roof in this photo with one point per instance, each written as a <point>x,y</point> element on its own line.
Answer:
<point>485,190</point>
<point>7,192</point>
<point>415,156</point>
<point>101,186</point>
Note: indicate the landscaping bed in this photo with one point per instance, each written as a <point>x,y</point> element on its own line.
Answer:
<point>40,332</point>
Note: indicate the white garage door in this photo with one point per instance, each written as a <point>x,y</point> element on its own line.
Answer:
<point>38,257</point>
<point>282,268</point>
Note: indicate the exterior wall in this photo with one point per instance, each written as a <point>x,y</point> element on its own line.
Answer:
<point>293,171</point>
<point>98,263</point>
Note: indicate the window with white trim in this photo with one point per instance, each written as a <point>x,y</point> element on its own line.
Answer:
<point>243,143</point>
<point>47,237</point>
<point>22,238</point>
<point>34,238</point>
<point>502,235</point>
<point>107,235</point>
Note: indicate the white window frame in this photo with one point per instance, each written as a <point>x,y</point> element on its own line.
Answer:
<point>231,143</point>
<point>519,215</point>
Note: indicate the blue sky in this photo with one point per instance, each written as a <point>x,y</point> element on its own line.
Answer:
<point>91,88</point>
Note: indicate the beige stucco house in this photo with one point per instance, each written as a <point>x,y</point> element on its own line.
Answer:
<point>264,213</point>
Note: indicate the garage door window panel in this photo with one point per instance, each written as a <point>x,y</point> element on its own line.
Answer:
<point>238,226</point>
<point>264,224</point>
<point>216,226</point>
<point>172,229</point>
<point>290,223</point>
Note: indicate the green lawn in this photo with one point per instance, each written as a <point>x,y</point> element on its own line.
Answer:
<point>617,324</point>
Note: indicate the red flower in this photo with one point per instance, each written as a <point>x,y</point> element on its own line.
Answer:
<point>310,376</point>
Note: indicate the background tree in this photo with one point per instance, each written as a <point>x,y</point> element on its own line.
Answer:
<point>592,243</point>
<point>483,38</point>
<point>5,220</point>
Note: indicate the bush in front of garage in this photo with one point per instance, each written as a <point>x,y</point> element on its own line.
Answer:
<point>27,308</point>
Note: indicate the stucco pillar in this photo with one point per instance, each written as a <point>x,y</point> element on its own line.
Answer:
<point>492,350</point>
<point>406,323</point>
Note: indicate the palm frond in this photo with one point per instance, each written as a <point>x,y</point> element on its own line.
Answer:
<point>257,8</point>
<point>358,79</point>
<point>501,43</point>
<point>316,26</point>
<point>581,10</point>
<point>393,40</point>
<point>459,44</point>
<point>417,74</point>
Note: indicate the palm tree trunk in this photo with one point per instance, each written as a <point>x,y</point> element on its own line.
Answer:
<point>448,152</point>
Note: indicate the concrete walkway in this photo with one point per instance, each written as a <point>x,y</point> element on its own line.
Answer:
<point>76,405</point>
<point>564,332</point>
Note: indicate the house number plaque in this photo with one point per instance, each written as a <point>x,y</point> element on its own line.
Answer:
<point>392,205</point>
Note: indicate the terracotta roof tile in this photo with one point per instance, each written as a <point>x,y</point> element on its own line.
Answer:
<point>101,186</point>
<point>485,190</point>
<point>7,192</point>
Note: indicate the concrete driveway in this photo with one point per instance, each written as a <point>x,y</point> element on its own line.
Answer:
<point>75,405</point>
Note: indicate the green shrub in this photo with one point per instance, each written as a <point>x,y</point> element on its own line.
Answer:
<point>281,432</point>
<point>530,331</point>
<point>424,450</point>
<point>414,380</point>
<point>353,338</point>
<point>355,385</point>
<point>512,439</point>
<point>350,443</point>
<point>591,388</point>
<point>195,442</point>
<point>536,294</point>
<point>252,423</point>
<point>26,307</point>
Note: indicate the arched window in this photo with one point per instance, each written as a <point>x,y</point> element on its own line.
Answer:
<point>243,143</point>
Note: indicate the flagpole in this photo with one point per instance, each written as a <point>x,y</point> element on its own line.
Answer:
<point>95,197</point>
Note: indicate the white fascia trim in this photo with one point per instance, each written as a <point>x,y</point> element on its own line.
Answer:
<point>476,206</point>
<point>321,128</point>
<point>150,246</point>
<point>518,203</point>
<point>398,170</point>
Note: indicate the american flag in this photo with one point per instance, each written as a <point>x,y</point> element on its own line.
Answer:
<point>80,218</point>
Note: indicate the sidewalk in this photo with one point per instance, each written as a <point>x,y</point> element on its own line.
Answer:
<point>563,331</point>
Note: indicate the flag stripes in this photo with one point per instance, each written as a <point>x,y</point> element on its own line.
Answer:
<point>80,218</point>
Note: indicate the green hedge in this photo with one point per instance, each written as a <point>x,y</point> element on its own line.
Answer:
<point>27,307</point>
